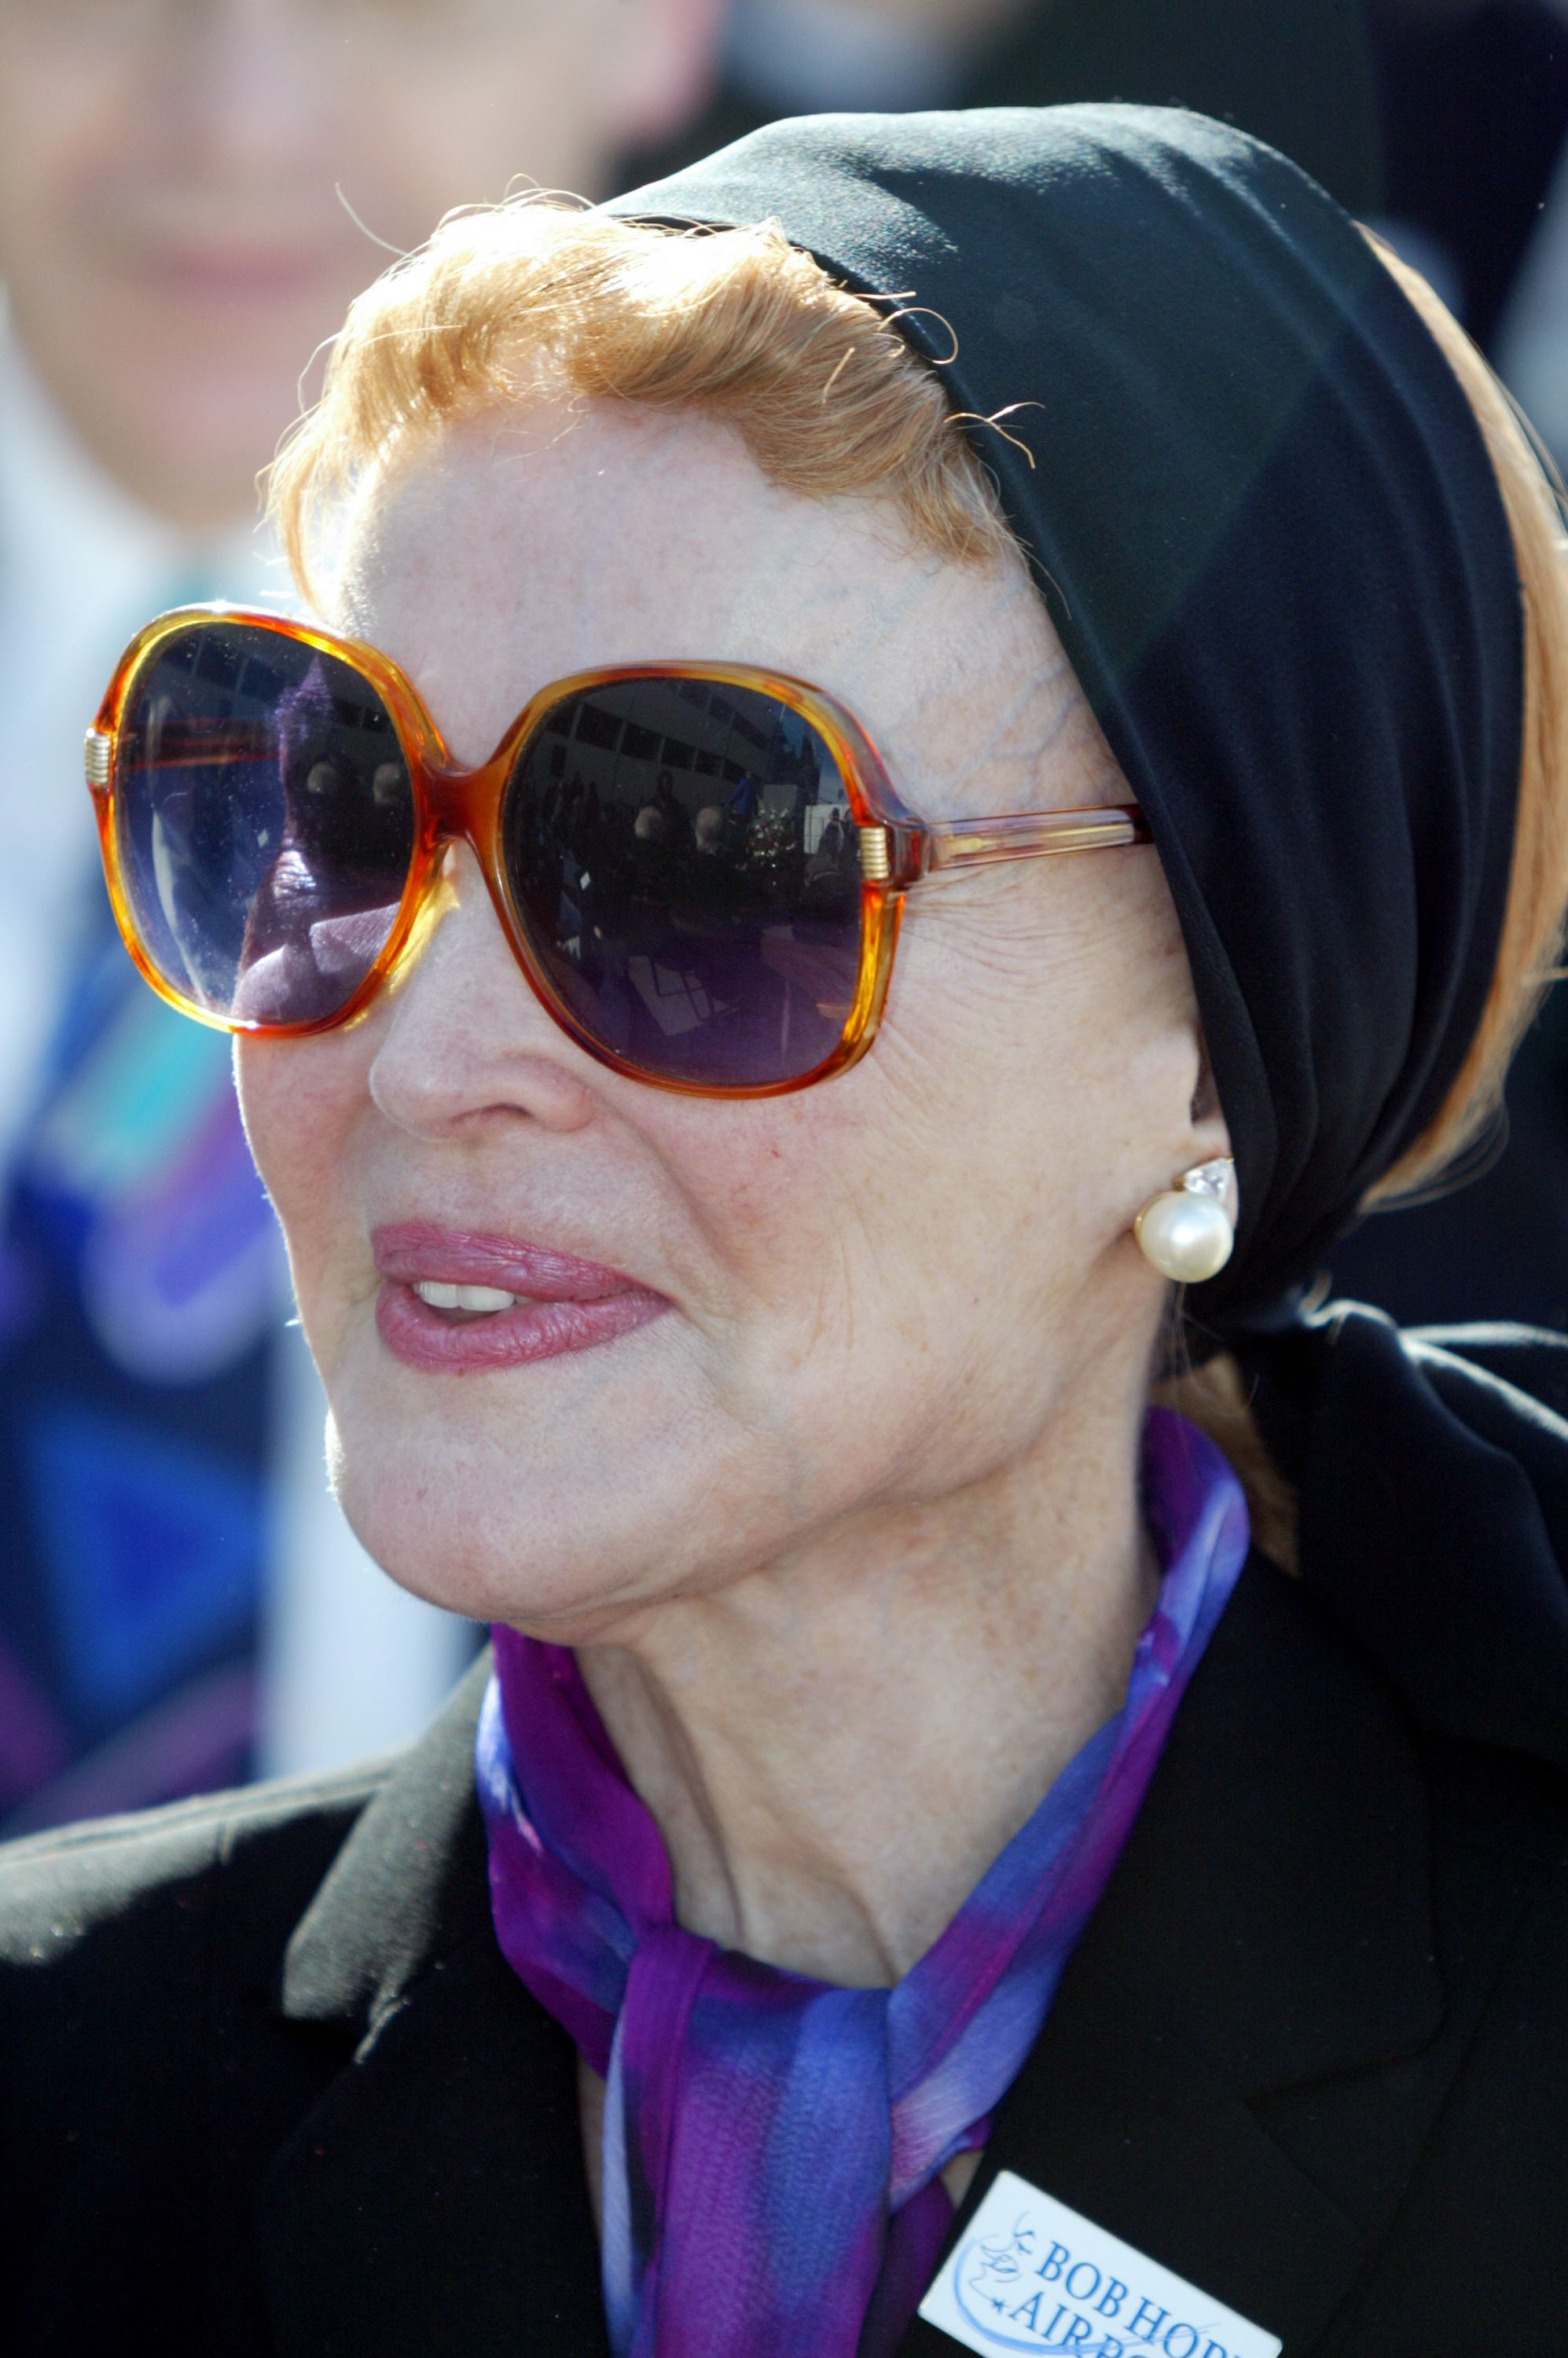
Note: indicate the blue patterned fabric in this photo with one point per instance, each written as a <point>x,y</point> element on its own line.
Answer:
<point>139,1277</point>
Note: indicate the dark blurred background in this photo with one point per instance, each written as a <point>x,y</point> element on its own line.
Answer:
<point>190,194</point>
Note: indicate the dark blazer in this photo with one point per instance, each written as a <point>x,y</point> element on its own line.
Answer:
<point>267,2086</point>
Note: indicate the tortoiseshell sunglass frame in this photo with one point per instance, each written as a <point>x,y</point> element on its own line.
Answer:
<point>897,850</point>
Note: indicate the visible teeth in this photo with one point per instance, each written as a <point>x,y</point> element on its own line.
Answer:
<point>441,1297</point>
<point>484,1297</point>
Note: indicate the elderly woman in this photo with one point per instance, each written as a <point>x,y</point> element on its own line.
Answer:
<point>1093,636</point>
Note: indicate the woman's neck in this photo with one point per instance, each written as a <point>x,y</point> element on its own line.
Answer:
<point>836,1747</point>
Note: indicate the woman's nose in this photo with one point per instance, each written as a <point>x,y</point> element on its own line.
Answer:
<point>465,1044</point>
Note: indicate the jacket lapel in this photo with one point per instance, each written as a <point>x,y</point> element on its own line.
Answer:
<point>435,2199</point>
<point>1229,1965</point>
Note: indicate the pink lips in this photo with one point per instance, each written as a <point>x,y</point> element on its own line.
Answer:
<point>571,1304</point>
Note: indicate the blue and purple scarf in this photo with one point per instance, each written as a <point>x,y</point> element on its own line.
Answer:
<point>771,2143</point>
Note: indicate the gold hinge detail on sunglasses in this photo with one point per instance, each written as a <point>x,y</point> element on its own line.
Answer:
<point>876,858</point>
<point>97,752</point>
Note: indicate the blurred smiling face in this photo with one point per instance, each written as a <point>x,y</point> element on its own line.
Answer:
<point>771,1315</point>
<point>171,234</point>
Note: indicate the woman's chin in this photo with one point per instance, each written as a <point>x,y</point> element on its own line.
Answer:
<point>559,1555</point>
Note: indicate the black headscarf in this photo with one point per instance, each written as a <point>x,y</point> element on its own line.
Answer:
<point>1260,511</point>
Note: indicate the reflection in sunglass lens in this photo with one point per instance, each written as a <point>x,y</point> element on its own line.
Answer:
<point>685,862</point>
<point>265,822</point>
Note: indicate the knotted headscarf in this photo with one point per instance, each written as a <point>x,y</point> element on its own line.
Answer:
<point>1260,510</point>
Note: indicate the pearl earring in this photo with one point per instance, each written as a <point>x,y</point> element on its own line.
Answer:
<point>1187,1233</point>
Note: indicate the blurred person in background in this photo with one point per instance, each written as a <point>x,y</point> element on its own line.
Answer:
<point>1441,122</point>
<point>190,194</point>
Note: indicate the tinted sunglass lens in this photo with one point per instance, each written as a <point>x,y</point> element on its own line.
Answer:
<point>265,822</point>
<point>685,864</point>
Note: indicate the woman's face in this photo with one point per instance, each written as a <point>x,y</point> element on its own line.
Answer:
<point>868,1295</point>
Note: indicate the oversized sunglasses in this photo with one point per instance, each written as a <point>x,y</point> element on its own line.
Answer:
<point>700,867</point>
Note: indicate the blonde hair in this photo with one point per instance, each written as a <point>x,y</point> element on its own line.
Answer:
<point>824,391</point>
<point>831,401</point>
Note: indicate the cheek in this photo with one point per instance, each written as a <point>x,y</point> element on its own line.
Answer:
<point>882,1253</point>
<point>46,152</point>
<point>1018,1078</point>
<point>451,121</point>
<point>300,1100</point>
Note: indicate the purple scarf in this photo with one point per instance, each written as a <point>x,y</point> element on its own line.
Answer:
<point>771,2143</point>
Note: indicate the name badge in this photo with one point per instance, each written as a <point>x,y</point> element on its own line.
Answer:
<point>1032,2274</point>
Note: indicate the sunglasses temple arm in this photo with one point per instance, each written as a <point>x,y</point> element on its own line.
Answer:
<point>902,853</point>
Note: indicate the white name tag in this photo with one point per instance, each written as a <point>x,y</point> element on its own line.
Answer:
<point>1032,2274</point>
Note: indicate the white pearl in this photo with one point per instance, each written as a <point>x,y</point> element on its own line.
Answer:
<point>1185,1237</point>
